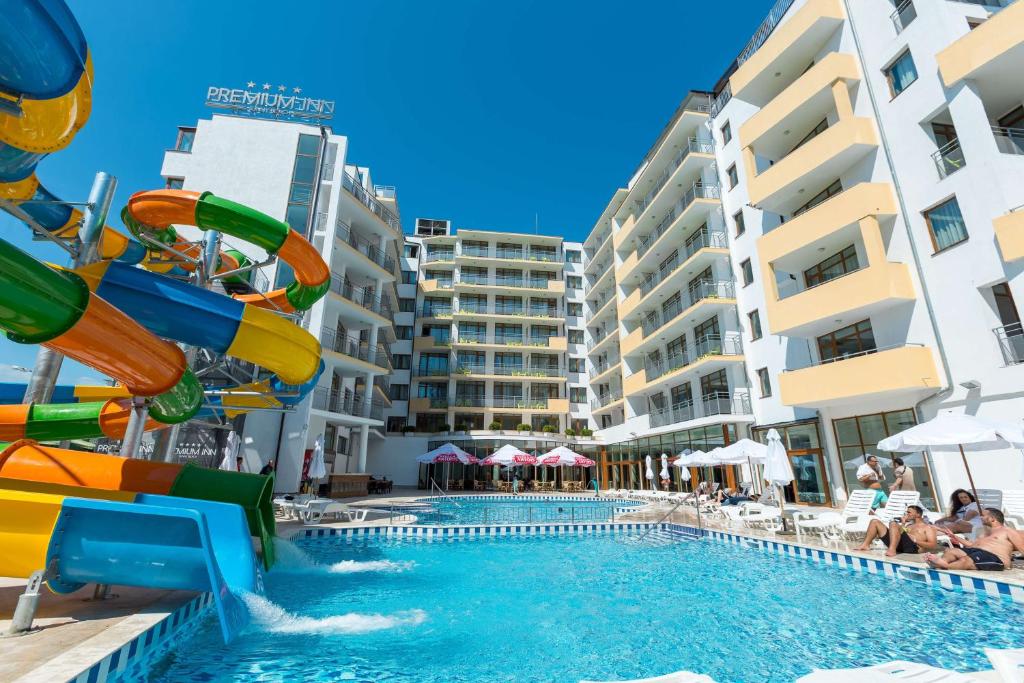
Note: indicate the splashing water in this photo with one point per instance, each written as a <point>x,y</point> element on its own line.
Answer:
<point>273,618</point>
<point>291,559</point>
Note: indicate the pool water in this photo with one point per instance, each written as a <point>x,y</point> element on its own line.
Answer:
<point>524,510</point>
<point>560,609</point>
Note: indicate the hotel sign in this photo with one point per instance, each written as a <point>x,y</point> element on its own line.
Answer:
<point>270,101</point>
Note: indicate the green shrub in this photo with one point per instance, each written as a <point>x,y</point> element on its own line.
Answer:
<point>586,431</point>
<point>496,426</point>
<point>445,427</point>
<point>570,432</point>
<point>460,427</point>
<point>523,427</point>
<point>548,429</point>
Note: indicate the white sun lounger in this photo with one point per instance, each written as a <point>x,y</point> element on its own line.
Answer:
<point>893,510</point>
<point>830,524</point>
<point>890,671</point>
<point>677,677</point>
<point>1013,507</point>
<point>1009,664</point>
<point>318,509</point>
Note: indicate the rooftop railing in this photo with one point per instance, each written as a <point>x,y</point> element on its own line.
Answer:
<point>369,201</point>
<point>705,289</point>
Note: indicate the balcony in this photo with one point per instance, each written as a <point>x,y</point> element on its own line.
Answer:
<point>436,311</point>
<point>1011,343</point>
<point>793,180</point>
<point>470,310</point>
<point>429,370</point>
<point>598,342</point>
<point>422,404</point>
<point>949,158</point>
<point>711,405</point>
<point>990,54</point>
<point>692,146</point>
<point>602,371</point>
<point>605,401</point>
<point>469,401</point>
<point>385,214</point>
<point>354,348</point>
<point>437,285</point>
<point>1009,140</point>
<point>429,342</point>
<point>786,53</point>
<point>363,297</point>
<point>553,343</point>
<point>552,257</point>
<point>1009,229</point>
<point>802,105</point>
<point>703,291</point>
<point>908,373</point>
<point>539,284</point>
<point>346,402</point>
<point>672,274</point>
<point>556,405</point>
<point>447,256</point>
<point>365,247</point>
<point>709,353</point>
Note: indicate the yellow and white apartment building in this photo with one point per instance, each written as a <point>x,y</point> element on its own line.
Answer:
<point>829,243</point>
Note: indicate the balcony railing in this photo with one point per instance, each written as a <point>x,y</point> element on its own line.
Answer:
<point>355,348</point>
<point>442,282</point>
<point>708,345</point>
<point>436,311</point>
<point>470,402</point>
<point>1011,342</point>
<point>1009,140</point>
<point>597,339</point>
<point>904,15</point>
<point>516,282</point>
<point>361,296</point>
<point>698,190</point>
<point>526,371</point>
<point>705,239</point>
<point>705,289</point>
<point>714,403</point>
<point>346,402</point>
<point>437,402</point>
<point>370,202</point>
<point>431,370</point>
<point>848,356</point>
<point>604,366</point>
<point>434,256</point>
<point>470,369</point>
<point>764,30</point>
<point>949,158</point>
<point>440,339</point>
<point>365,247</point>
<point>482,252</point>
<point>693,145</point>
<point>605,399</point>
<point>520,402</point>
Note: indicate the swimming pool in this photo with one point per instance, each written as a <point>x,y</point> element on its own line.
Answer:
<point>563,608</point>
<point>521,510</point>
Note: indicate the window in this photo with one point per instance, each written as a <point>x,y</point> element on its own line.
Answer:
<point>681,395</point>
<point>431,227</point>
<point>576,365</point>
<point>400,361</point>
<point>726,133</point>
<point>575,336</point>
<point>403,331</point>
<point>737,219</point>
<point>399,392</point>
<point>300,193</point>
<point>904,15</point>
<point>408,277</point>
<point>901,73</point>
<point>755,325</point>
<point>973,23</point>
<point>432,390</point>
<point>847,341</point>
<point>815,132</point>
<point>411,250</point>
<point>707,330</point>
<point>573,257</point>
<point>175,183</point>
<point>577,394</point>
<point>574,282</point>
<point>765,381</point>
<point>830,191</point>
<point>834,266</point>
<point>714,385</point>
<point>396,423</point>
<point>734,178</point>
<point>748,272</point>
<point>574,309</point>
<point>946,225</point>
<point>406,305</point>
<point>186,136</point>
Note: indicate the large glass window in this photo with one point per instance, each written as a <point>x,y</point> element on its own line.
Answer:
<point>901,73</point>
<point>432,364</point>
<point>847,341</point>
<point>830,191</point>
<point>186,136</point>
<point>834,266</point>
<point>946,224</point>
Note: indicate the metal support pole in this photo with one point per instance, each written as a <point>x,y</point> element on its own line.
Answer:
<point>48,362</point>
<point>25,611</point>
<point>136,426</point>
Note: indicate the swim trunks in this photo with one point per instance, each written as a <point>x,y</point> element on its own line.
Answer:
<point>984,560</point>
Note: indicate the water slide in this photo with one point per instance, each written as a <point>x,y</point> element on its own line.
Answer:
<point>28,461</point>
<point>83,535</point>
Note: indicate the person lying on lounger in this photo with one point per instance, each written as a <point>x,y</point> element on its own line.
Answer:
<point>909,535</point>
<point>992,552</point>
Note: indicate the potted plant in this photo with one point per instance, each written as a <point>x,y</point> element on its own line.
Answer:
<point>445,427</point>
<point>586,432</point>
<point>570,432</point>
<point>460,427</point>
<point>548,429</point>
<point>523,427</point>
<point>495,426</point>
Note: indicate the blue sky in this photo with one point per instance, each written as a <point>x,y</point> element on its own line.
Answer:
<point>485,113</point>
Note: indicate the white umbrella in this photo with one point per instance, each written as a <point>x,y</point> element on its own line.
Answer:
<point>317,467</point>
<point>561,455</point>
<point>955,430</point>
<point>449,452</point>
<point>682,461</point>
<point>778,471</point>
<point>743,452</point>
<point>650,471</point>
<point>664,466</point>
<point>230,451</point>
<point>510,456</point>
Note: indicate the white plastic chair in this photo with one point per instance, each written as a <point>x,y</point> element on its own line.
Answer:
<point>894,508</point>
<point>830,524</point>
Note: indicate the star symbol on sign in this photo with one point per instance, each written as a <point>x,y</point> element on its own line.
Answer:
<point>296,90</point>
<point>266,86</point>
<point>281,88</point>
<point>250,84</point>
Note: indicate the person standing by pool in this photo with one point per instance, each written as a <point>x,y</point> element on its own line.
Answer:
<point>904,477</point>
<point>870,477</point>
<point>515,485</point>
<point>990,553</point>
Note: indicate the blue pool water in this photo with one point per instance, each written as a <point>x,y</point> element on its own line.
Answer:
<point>523,510</point>
<point>559,609</point>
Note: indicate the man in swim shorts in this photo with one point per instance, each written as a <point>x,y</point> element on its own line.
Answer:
<point>909,535</point>
<point>990,553</point>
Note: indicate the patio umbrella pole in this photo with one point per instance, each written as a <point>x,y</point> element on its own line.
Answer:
<point>970,478</point>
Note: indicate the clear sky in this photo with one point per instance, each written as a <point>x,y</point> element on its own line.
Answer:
<point>482,112</point>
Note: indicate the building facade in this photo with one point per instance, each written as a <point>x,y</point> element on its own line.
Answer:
<point>301,174</point>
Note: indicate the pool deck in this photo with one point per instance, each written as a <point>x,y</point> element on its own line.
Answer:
<point>74,631</point>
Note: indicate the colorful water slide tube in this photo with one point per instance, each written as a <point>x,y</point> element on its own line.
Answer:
<point>83,535</point>
<point>154,212</point>
<point>29,461</point>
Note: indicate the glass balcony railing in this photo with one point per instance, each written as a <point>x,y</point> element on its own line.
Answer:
<point>1011,342</point>
<point>693,145</point>
<point>435,256</point>
<point>698,190</point>
<point>515,282</point>
<point>706,289</point>
<point>470,402</point>
<point>365,247</point>
<point>949,158</point>
<point>598,338</point>
<point>714,403</point>
<point>347,402</point>
<point>513,254</point>
<point>605,399</point>
<point>436,311</point>
<point>520,402</point>
<point>708,345</point>
<point>361,296</point>
<point>442,282</point>
<point>903,16</point>
<point>481,252</point>
<point>369,201</point>
<point>1009,140</point>
<point>470,369</point>
<point>355,348</point>
<point>704,239</point>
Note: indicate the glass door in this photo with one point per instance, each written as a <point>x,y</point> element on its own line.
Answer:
<point>809,486</point>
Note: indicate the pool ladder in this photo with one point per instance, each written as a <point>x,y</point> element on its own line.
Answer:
<point>433,485</point>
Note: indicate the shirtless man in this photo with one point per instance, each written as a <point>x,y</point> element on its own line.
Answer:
<point>909,535</point>
<point>989,553</point>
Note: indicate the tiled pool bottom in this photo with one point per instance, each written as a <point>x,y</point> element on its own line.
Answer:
<point>562,607</point>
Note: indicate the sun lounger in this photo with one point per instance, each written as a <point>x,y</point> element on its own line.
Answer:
<point>316,510</point>
<point>829,525</point>
<point>1013,507</point>
<point>678,677</point>
<point>893,510</point>
<point>1009,664</point>
<point>890,671</point>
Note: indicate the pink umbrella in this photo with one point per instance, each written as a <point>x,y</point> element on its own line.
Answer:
<point>509,455</point>
<point>449,452</point>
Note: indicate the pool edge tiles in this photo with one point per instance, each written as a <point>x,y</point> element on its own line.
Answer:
<point>445,532</point>
<point>120,657</point>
